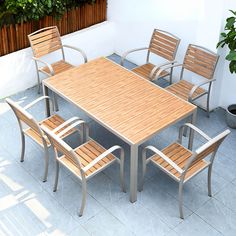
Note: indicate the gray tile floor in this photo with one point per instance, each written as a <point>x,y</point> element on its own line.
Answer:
<point>29,207</point>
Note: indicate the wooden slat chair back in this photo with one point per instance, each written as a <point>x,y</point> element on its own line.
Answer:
<point>63,148</point>
<point>181,163</point>
<point>34,129</point>
<point>201,61</point>
<point>207,149</point>
<point>24,116</point>
<point>45,41</point>
<point>164,44</point>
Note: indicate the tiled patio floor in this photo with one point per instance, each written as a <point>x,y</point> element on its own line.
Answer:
<point>30,207</point>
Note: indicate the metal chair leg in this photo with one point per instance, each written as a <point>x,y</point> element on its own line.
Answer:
<point>56,177</point>
<point>122,178</point>
<point>181,214</point>
<point>39,84</point>
<point>81,134</point>
<point>208,107</point>
<point>55,101</point>
<point>209,180</point>
<point>22,146</point>
<point>185,133</point>
<point>144,166</point>
<point>84,193</point>
<point>171,74</point>
<point>46,156</point>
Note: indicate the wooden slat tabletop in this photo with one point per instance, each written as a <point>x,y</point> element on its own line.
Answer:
<point>131,107</point>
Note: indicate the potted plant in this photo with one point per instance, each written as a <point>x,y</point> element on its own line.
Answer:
<point>229,38</point>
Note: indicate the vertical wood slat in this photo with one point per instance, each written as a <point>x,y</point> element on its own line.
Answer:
<point>11,35</point>
<point>4,39</point>
<point>14,37</point>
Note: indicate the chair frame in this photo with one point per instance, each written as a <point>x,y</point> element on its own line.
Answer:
<point>38,60</point>
<point>162,65</point>
<point>207,81</point>
<point>182,180</point>
<point>36,126</point>
<point>83,178</point>
<point>23,110</point>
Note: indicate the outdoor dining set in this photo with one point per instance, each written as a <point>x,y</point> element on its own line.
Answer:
<point>128,104</point>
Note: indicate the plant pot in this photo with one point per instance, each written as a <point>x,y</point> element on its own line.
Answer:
<point>231,116</point>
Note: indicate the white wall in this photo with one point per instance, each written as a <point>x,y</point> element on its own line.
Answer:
<point>198,22</point>
<point>17,70</point>
<point>190,20</point>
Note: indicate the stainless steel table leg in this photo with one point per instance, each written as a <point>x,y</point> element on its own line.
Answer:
<point>47,106</point>
<point>133,172</point>
<point>191,135</point>
<point>55,101</point>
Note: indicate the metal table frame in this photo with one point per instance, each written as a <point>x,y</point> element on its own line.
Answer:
<point>133,146</point>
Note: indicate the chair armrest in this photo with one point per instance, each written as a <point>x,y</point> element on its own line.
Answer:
<point>130,51</point>
<point>73,125</point>
<point>46,64</point>
<point>163,156</point>
<point>191,126</point>
<point>196,87</point>
<point>157,67</point>
<point>101,156</point>
<point>38,100</point>
<point>65,124</point>
<point>165,68</point>
<point>78,50</point>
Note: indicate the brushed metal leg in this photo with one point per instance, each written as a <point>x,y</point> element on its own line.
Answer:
<point>209,180</point>
<point>208,105</point>
<point>181,214</point>
<point>84,194</point>
<point>22,146</point>
<point>47,105</point>
<point>133,172</point>
<point>55,102</point>
<point>46,156</point>
<point>144,167</point>
<point>39,83</point>
<point>122,177</point>
<point>191,135</point>
<point>56,177</point>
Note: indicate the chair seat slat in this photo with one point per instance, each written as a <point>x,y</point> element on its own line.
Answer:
<point>86,154</point>
<point>183,88</point>
<point>145,70</point>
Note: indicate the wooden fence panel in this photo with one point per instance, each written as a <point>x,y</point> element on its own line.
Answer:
<point>14,37</point>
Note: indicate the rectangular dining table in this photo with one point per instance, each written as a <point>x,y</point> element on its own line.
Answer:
<point>129,106</point>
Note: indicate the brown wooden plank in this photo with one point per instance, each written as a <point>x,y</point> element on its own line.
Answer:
<point>12,38</point>
<point>180,156</point>
<point>196,51</point>
<point>4,40</point>
<point>49,36</point>
<point>165,36</point>
<point>164,42</point>
<point>1,42</point>
<point>43,33</point>
<point>162,54</point>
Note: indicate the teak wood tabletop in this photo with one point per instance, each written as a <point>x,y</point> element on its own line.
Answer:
<point>129,106</point>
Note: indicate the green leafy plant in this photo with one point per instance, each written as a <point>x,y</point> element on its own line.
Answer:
<point>229,38</point>
<point>15,11</point>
